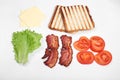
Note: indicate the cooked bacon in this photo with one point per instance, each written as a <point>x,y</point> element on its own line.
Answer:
<point>66,51</point>
<point>52,57</point>
<point>51,52</point>
<point>66,56</point>
<point>66,41</point>
<point>52,41</point>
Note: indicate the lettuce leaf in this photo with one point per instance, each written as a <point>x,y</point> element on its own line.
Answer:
<point>24,43</point>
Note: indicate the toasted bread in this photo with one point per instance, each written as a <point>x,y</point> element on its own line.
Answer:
<point>71,18</point>
<point>56,22</point>
<point>76,18</point>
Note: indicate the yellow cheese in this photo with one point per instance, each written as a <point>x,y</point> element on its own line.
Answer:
<point>31,17</point>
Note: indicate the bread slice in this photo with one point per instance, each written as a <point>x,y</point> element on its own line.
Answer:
<point>76,18</point>
<point>56,22</point>
<point>71,18</point>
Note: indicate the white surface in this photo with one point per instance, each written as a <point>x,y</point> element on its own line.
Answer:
<point>106,15</point>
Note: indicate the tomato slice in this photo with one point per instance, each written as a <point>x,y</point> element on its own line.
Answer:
<point>85,57</point>
<point>82,44</point>
<point>97,44</point>
<point>103,58</point>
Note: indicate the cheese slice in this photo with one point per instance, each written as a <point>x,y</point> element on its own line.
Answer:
<point>31,17</point>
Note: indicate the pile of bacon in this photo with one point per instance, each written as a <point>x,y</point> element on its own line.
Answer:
<point>51,52</point>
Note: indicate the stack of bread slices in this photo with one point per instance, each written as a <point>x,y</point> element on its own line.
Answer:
<point>71,18</point>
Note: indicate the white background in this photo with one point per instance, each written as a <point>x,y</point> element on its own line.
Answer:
<point>106,15</point>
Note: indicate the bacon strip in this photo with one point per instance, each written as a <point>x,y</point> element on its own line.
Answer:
<point>51,52</point>
<point>66,50</point>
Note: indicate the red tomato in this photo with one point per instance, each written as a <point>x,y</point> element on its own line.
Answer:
<point>97,44</point>
<point>103,58</point>
<point>85,57</point>
<point>82,44</point>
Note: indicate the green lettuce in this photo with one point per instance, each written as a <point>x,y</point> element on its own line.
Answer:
<point>24,43</point>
